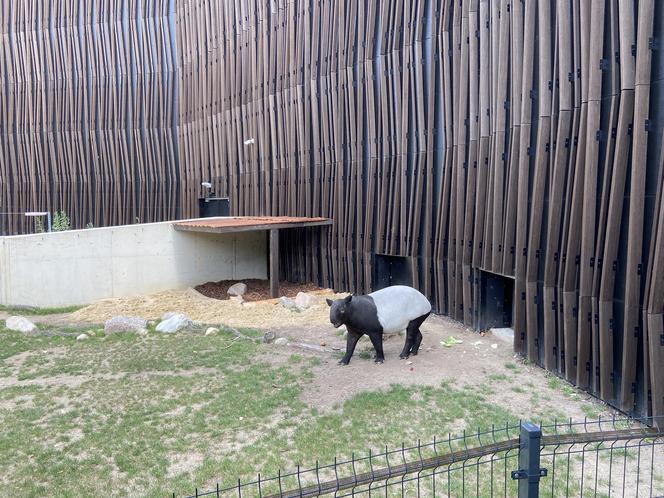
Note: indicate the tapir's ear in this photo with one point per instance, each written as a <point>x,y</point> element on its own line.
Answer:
<point>348,299</point>
<point>329,302</point>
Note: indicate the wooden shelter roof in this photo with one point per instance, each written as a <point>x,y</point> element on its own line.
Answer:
<point>247,223</point>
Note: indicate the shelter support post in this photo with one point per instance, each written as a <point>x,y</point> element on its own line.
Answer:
<point>274,263</point>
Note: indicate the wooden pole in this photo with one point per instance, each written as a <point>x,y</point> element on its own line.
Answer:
<point>274,263</point>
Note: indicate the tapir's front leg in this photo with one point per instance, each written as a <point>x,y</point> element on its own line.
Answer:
<point>377,341</point>
<point>351,342</point>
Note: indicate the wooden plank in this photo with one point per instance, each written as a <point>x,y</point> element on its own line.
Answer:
<point>637,198</point>
<point>653,328</point>
<point>523,182</point>
<point>656,350</point>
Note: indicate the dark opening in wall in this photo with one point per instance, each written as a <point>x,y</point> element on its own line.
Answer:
<point>496,301</point>
<point>209,207</point>
<point>392,270</point>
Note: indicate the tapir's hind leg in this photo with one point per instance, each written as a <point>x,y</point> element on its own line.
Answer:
<point>417,335</point>
<point>410,338</point>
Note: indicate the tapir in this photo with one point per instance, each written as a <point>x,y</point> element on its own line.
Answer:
<point>387,311</point>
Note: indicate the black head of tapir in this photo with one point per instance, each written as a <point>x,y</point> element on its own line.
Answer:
<point>389,310</point>
<point>340,310</point>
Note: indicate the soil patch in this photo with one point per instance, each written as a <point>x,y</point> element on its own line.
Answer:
<point>478,361</point>
<point>55,320</point>
<point>257,290</point>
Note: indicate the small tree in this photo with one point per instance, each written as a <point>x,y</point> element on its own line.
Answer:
<point>60,222</point>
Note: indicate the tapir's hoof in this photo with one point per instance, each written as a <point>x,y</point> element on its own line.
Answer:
<point>379,360</point>
<point>342,363</point>
<point>413,353</point>
<point>403,356</point>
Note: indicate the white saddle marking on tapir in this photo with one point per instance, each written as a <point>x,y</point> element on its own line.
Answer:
<point>398,305</point>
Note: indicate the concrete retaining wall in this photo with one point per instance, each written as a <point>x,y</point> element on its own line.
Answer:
<point>82,266</point>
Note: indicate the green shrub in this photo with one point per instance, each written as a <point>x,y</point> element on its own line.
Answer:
<point>61,222</point>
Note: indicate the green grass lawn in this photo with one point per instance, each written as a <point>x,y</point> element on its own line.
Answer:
<point>126,415</point>
<point>32,311</point>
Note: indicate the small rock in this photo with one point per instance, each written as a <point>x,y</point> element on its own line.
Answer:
<point>212,331</point>
<point>494,346</point>
<point>322,343</point>
<point>304,301</point>
<point>91,333</point>
<point>335,348</point>
<point>505,334</point>
<point>282,341</point>
<point>409,363</point>
<point>269,337</point>
<point>239,289</point>
<point>142,332</point>
<point>124,324</point>
<point>82,337</point>
<point>287,302</point>
<point>20,324</point>
<point>173,324</point>
<point>237,299</point>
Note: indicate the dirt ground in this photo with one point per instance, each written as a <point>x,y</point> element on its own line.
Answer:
<point>477,361</point>
<point>55,320</point>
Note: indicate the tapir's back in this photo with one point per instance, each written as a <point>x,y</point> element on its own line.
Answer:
<point>398,305</point>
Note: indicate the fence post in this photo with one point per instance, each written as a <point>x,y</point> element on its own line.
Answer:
<point>529,472</point>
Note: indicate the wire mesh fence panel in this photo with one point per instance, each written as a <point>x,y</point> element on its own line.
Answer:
<point>616,457</point>
<point>478,463</point>
<point>602,458</point>
<point>618,468</point>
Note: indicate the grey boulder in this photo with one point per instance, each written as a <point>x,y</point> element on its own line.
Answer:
<point>304,301</point>
<point>239,289</point>
<point>124,324</point>
<point>20,324</point>
<point>174,323</point>
<point>287,303</point>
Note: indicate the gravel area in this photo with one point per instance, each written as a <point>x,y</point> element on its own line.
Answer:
<point>262,315</point>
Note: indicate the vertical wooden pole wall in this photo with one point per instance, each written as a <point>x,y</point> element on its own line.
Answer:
<point>513,137</point>
<point>88,111</point>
